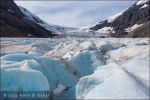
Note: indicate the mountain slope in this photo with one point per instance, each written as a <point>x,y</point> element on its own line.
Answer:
<point>55,28</point>
<point>14,24</point>
<point>123,24</point>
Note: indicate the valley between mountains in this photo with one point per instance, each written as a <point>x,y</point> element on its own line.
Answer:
<point>109,60</point>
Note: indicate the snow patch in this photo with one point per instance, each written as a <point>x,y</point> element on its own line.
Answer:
<point>129,29</point>
<point>112,18</point>
<point>104,31</point>
<point>144,6</point>
<point>141,2</point>
<point>10,10</point>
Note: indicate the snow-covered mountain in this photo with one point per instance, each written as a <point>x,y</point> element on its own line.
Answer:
<point>19,22</point>
<point>55,28</point>
<point>14,24</point>
<point>132,22</point>
<point>59,30</point>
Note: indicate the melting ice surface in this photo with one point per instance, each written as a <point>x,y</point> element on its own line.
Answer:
<point>77,68</point>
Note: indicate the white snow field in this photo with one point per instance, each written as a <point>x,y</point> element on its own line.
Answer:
<point>77,68</point>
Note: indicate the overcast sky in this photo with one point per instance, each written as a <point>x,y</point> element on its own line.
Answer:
<point>75,13</point>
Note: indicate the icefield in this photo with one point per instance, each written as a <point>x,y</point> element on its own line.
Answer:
<point>77,68</point>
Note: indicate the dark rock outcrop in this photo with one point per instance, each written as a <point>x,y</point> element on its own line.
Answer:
<point>133,15</point>
<point>14,24</point>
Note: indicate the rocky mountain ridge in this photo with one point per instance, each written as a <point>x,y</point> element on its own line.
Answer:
<point>51,27</point>
<point>14,24</point>
<point>137,14</point>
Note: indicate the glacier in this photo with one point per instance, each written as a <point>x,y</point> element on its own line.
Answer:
<point>77,68</point>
